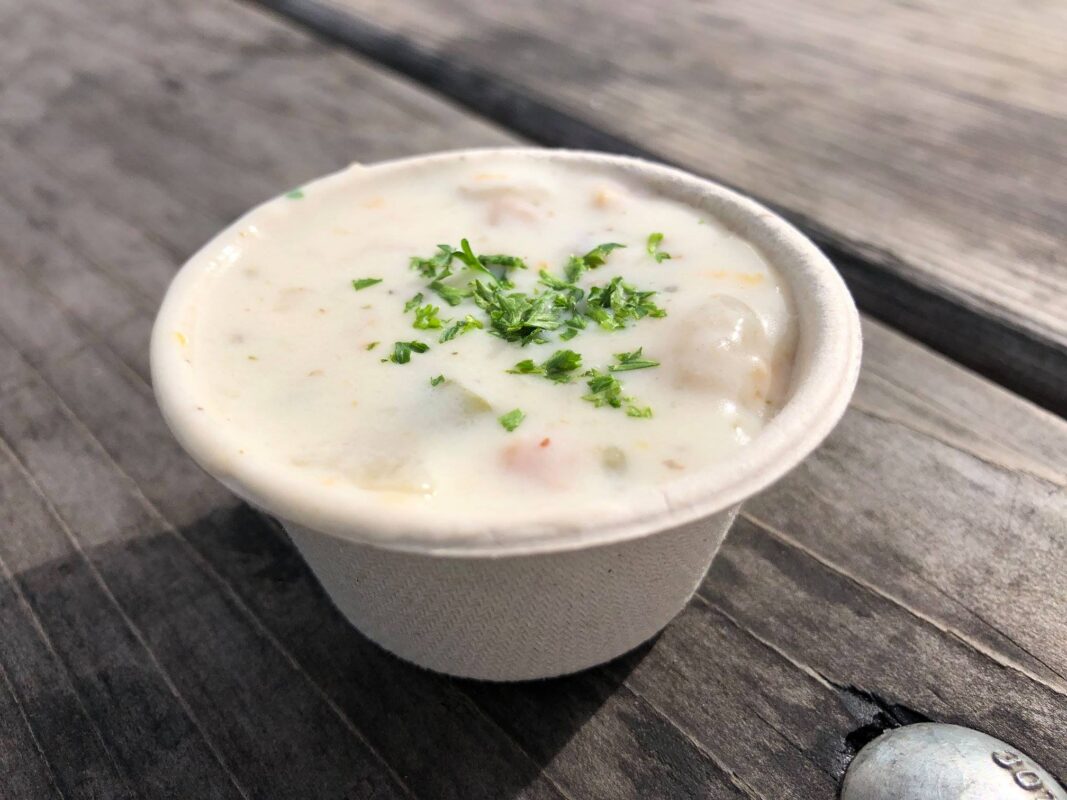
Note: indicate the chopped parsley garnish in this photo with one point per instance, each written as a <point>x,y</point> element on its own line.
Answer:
<point>426,317</point>
<point>450,294</point>
<point>654,240</point>
<point>372,345</point>
<point>612,305</point>
<point>512,419</point>
<point>439,266</point>
<point>556,304</point>
<point>501,260</point>
<point>567,295</point>
<point>469,323</point>
<point>471,261</point>
<point>634,360</point>
<point>436,266</point>
<point>573,325</point>
<point>552,282</point>
<point>295,194</point>
<point>402,351</point>
<point>483,263</point>
<point>363,283</point>
<point>606,390</point>
<point>517,316</point>
<point>596,257</point>
<point>556,368</point>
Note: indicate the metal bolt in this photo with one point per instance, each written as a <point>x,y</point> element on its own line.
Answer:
<point>949,762</point>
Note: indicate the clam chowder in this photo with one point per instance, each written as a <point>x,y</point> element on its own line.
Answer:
<point>486,338</point>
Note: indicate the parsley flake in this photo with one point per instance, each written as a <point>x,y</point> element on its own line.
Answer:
<point>450,294</point>
<point>402,351</point>
<point>437,381</point>
<point>469,323</point>
<point>606,390</point>
<point>501,260</point>
<point>596,257</point>
<point>471,261</point>
<point>574,325</point>
<point>612,305</point>
<point>437,266</point>
<point>372,345</point>
<point>555,368</point>
<point>413,302</point>
<point>295,194</point>
<point>517,316</point>
<point>634,360</point>
<point>654,240</point>
<point>426,317</point>
<point>363,283</point>
<point>512,419</point>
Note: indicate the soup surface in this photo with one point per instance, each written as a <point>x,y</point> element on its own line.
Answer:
<point>486,338</point>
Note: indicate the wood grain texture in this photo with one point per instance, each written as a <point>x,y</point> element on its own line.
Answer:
<point>922,145</point>
<point>25,770</point>
<point>164,635</point>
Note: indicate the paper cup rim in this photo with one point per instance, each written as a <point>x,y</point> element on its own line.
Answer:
<point>824,375</point>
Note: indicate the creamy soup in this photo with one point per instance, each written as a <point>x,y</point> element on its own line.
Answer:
<point>487,338</point>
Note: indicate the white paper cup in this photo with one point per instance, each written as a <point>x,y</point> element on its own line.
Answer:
<point>511,603</point>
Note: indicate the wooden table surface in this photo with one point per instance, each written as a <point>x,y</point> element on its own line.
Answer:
<point>162,639</point>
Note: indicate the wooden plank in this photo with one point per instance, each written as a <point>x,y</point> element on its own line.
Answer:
<point>71,744</point>
<point>959,512</point>
<point>861,641</point>
<point>25,771</point>
<point>128,702</point>
<point>929,161</point>
<point>14,370</point>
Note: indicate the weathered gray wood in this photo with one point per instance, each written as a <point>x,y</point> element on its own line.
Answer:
<point>945,515</point>
<point>154,743</point>
<point>854,638</point>
<point>745,695</point>
<point>25,771</point>
<point>50,712</point>
<point>922,144</point>
<point>14,371</point>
